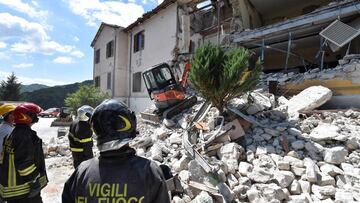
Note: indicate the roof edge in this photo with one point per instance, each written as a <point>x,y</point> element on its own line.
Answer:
<point>150,14</point>
<point>102,25</point>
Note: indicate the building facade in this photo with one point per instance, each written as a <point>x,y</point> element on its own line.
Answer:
<point>122,54</point>
<point>284,34</point>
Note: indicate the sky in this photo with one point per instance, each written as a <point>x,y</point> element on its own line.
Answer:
<point>48,41</point>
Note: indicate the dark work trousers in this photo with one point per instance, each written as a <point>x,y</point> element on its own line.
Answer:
<point>36,199</point>
<point>79,157</point>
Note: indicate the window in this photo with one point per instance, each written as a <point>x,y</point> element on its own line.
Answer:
<point>192,47</point>
<point>109,80</point>
<point>110,49</point>
<point>137,82</point>
<point>97,56</point>
<point>158,78</point>
<point>97,81</point>
<point>139,41</point>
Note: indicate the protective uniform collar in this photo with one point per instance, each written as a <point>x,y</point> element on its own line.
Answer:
<point>113,145</point>
<point>22,126</point>
<point>124,152</point>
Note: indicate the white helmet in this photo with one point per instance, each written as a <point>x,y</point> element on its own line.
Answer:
<point>85,112</point>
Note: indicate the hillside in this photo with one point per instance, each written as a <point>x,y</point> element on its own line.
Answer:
<point>52,96</point>
<point>32,87</point>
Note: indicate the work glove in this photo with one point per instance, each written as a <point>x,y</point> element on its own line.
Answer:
<point>35,188</point>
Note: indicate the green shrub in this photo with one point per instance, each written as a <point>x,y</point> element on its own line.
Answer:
<point>221,75</point>
<point>86,95</point>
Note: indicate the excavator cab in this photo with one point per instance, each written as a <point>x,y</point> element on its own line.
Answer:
<point>163,87</point>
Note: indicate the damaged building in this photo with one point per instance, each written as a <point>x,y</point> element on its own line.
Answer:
<point>300,43</point>
<point>285,34</point>
<point>291,38</point>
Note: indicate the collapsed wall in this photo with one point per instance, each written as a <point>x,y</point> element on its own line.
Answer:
<point>348,69</point>
<point>279,150</point>
<point>343,80</point>
<point>313,158</point>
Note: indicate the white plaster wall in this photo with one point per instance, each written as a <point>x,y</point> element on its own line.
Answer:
<point>122,99</point>
<point>160,40</point>
<point>122,64</point>
<point>139,104</point>
<point>106,64</point>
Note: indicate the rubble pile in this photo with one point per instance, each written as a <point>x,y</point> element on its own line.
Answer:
<point>57,147</point>
<point>348,69</point>
<point>270,150</point>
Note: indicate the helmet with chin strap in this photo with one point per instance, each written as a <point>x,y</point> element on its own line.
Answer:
<point>26,113</point>
<point>114,124</point>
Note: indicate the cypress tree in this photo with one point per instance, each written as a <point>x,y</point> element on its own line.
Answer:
<point>221,75</point>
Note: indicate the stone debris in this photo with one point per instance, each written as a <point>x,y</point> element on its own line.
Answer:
<point>203,197</point>
<point>284,178</point>
<point>267,157</point>
<point>57,147</point>
<point>335,155</point>
<point>324,131</point>
<point>308,100</point>
<point>331,170</point>
<point>346,70</point>
<point>315,158</point>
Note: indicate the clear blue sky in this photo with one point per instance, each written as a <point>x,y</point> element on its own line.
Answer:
<point>48,41</point>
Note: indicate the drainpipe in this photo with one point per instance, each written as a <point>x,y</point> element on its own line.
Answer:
<point>114,68</point>
<point>130,59</point>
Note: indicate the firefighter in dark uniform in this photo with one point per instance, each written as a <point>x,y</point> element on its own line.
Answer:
<point>118,175</point>
<point>22,162</point>
<point>80,136</point>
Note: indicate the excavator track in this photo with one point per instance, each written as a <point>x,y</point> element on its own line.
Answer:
<point>178,108</point>
<point>155,118</point>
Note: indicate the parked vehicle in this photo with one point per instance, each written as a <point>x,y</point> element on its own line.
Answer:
<point>52,112</point>
<point>64,118</point>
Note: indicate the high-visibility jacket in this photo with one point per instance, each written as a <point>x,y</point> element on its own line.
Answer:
<point>22,164</point>
<point>80,136</point>
<point>116,176</point>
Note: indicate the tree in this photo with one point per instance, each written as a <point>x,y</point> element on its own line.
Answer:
<point>53,96</point>
<point>221,75</point>
<point>10,89</point>
<point>86,95</point>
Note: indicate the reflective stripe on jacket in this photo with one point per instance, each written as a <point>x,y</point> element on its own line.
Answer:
<point>80,136</point>
<point>22,161</point>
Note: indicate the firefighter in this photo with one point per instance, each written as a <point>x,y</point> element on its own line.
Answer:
<point>22,163</point>
<point>80,136</point>
<point>117,175</point>
<point>6,127</point>
<point>6,111</point>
